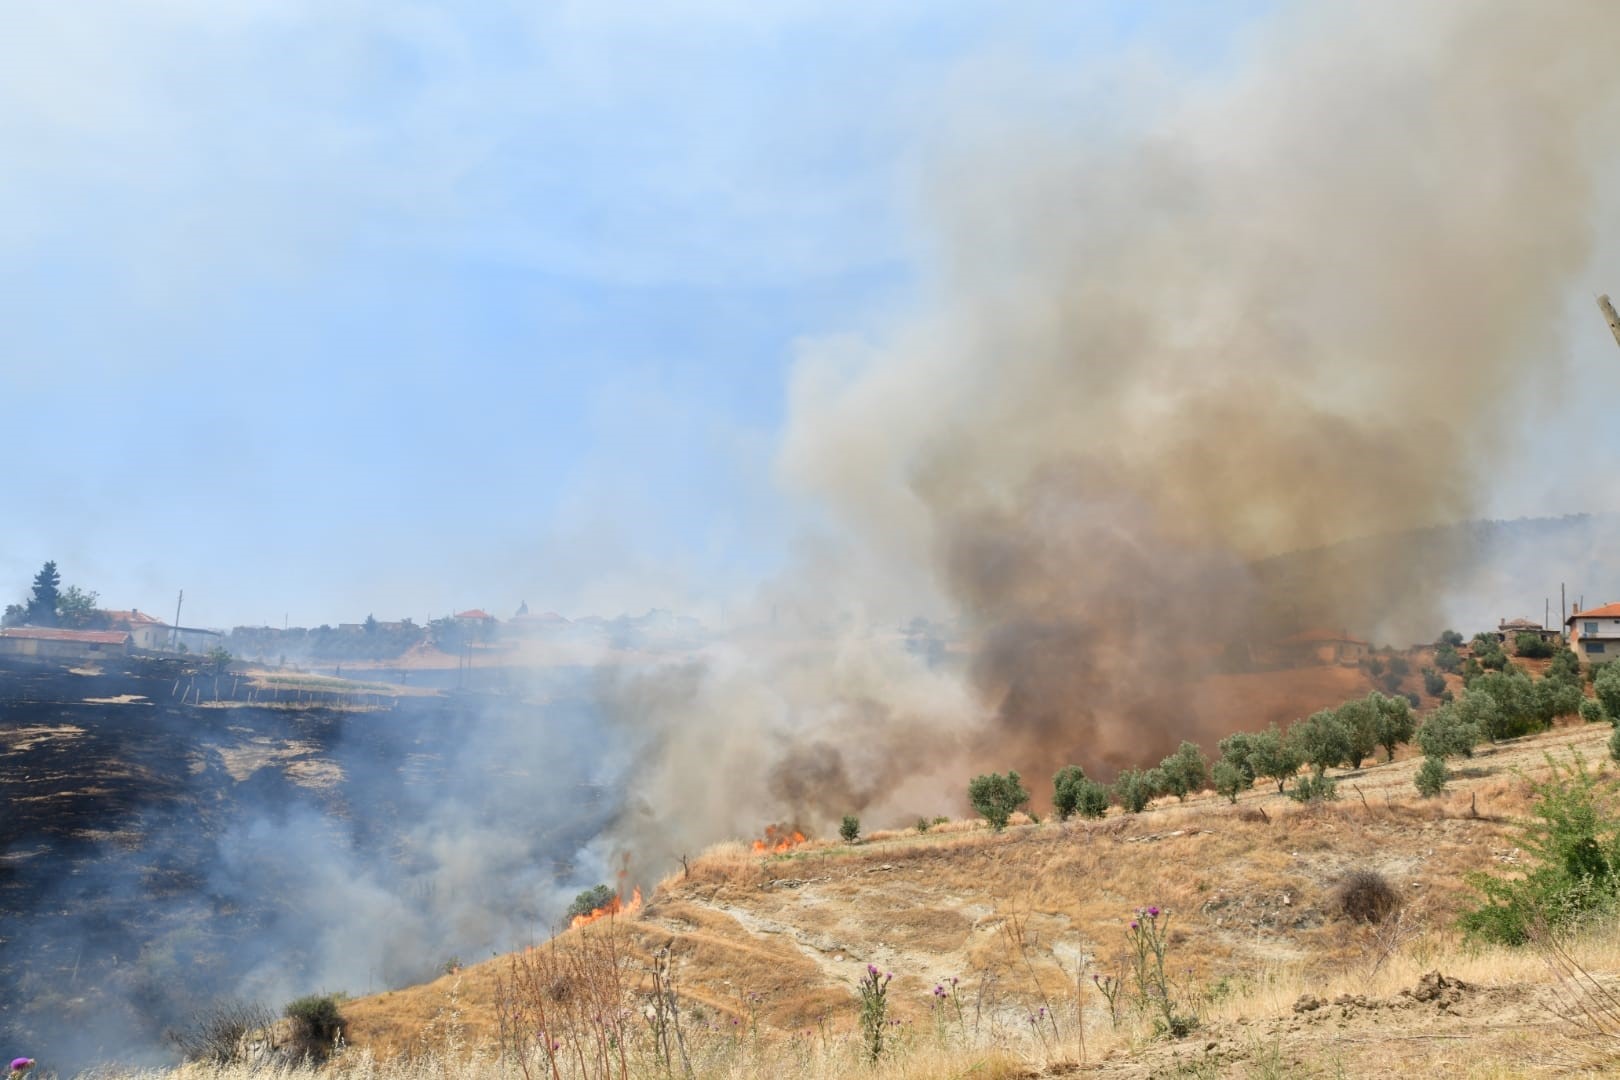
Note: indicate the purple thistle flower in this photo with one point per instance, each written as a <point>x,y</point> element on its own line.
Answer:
<point>871,969</point>
<point>19,1065</point>
<point>1133,924</point>
<point>1153,913</point>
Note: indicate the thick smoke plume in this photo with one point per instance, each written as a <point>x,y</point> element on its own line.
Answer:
<point>1309,305</point>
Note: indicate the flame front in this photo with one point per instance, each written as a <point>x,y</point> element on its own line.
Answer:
<point>617,906</point>
<point>779,838</point>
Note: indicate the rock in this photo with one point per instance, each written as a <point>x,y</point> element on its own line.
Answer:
<point>1437,988</point>
<point>1308,1003</point>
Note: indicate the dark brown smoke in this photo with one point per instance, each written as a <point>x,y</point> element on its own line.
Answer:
<point>1307,305</point>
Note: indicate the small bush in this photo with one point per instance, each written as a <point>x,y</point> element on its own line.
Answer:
<point>922,824</point>
<point>1066,790</point>
<point>215,1034</point>
<point>1314,787</point>
<point>1434,683</point>
<point>1591,711</point>
<point>996,797</point>
<point>597,896</point>
<point>1448,659</point>
<point>1365,896</point>
<point>1230,780</point>
<point>1449,639</point>
<point>850,828</point>
<point>942,820</point>
<point>1092,799</point>
<point>1607,688</point>
<point>1572,860</point>
<point>1134,789</point>
<point>317,1023</point>
<point>1533,646</point>
<point>1431,777</point>
<point>1184,772</point>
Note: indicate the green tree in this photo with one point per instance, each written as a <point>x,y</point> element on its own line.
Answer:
<point>1185,771</point>
<point>996,797</point>
<point>1093,799</point>
<point>1448,733</point>
<point>1230,780</point>
<point>1481,712</point>
<point>1591,711</point>
<point>76,608</point>
<point>1556,698</point>
<point>1431,777</point>
<point>1237,750</point>
<point>597,896</point>
<point>1434,683</point>
<point>1395,723</point>
<point>1274,756</point>
<point>1066,790</point>
<point>1134,789</point>
<point>1607,688</point>
<point>42,604</point>
<point>1322,739</point>
<point>849,830</point>
<point>1360,722</point>
<point>1533,646</point>
<point>1448,659</point>
<point>218,658</point>
<point>370,625</point>
<point>1449,639</point>
<point>1565,665</point>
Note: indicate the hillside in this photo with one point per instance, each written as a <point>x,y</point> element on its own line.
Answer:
<point>775,945</point>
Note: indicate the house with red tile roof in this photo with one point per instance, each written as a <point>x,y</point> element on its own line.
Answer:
<point>1594,634</point>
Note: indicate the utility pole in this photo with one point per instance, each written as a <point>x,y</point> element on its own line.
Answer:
<point>174,640</point>
<point>1613,319</point>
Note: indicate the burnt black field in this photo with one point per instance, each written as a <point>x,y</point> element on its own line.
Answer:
<point>352,850</point>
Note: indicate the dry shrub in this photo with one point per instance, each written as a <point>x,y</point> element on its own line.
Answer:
<point>1254,814</point>
<point>219,1033</point>
<point>1365,896</point>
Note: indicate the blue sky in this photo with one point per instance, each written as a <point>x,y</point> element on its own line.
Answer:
<point>315,309</point>
<point>324,308</point>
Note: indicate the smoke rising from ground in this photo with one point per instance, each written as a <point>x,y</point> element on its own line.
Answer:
<point>1313,302</point>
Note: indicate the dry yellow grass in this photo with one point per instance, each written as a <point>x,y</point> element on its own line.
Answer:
<point>774,945</point>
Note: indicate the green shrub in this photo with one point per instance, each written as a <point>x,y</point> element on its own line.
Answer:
<point>996,797</point>
<point>1093,799</point>
<point>1431,777</point>
<point>1400,666</point>
<point>1322,739</point>
<point>1184,772</point>
<point>1394,722</point>
<point>849,830</point>
<point>1565,665</point>
<point>1606,686</point>
<point>1447,733</point>
<point>922,825</point>
<point>1434,683</point>
<point>1556,698</point>
<point>1230,780</point>
<point>1274,756</point>
<point>598,896</point>
<point>1448,659</point>
<point>1533,646</point>
<point>1066,790</point>
<point>1614,744</point>
<point>316,1022</point>
<point>1134,789</point>
<point>1571,848</point>
<point>1591,711</point>
<point>1237,750</point>
<point>1449,639</point>
<point>1375,666</point>
<point>1314,787</point>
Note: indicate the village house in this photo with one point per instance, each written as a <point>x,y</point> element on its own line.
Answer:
<point>145,631</point>
<point>43,643</point>
<point>1322,647</point>
<point>1509,629</point>
<point>1595,634</point>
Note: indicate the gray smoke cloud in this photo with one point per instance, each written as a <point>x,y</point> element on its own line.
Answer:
<point>1154,370</point>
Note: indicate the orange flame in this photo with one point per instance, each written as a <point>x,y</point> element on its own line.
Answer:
<point>778,838</point>
<point>617,906</point>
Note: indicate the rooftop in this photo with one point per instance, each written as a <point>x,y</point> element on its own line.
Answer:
<point>49,633</point>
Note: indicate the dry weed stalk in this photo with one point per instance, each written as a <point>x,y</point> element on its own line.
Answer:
<point>565,1005</point>
<point>1579,998</point>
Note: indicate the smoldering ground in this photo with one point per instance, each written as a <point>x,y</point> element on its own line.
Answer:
<point>158,858</point>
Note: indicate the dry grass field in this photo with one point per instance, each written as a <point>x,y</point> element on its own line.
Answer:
<point>766,951</point>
